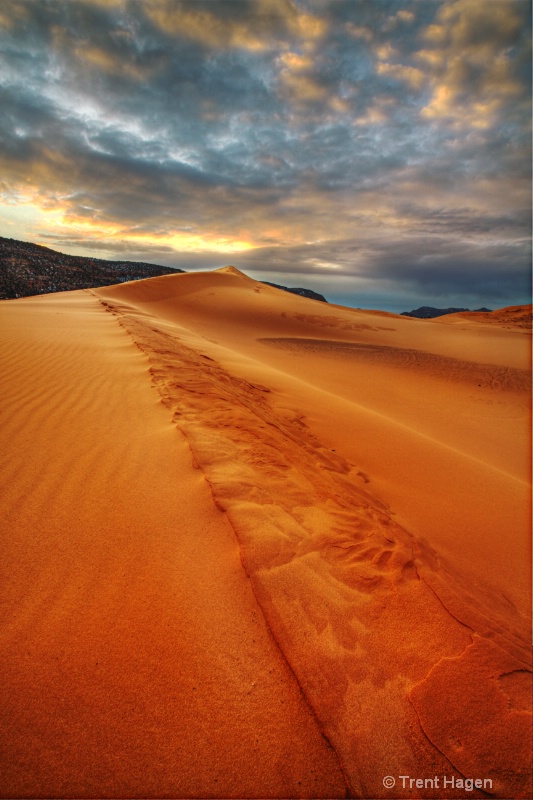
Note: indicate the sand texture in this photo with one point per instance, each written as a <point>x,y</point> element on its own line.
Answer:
<point>254,545</point>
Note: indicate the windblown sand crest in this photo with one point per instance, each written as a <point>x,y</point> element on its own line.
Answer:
<point>261,546</point>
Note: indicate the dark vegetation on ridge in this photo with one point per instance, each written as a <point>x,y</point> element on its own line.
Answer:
<point>428,312</point>
<point>27,269</point>
<point>302,292</point>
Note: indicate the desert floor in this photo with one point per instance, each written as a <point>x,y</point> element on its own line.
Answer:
<point>254,545</point>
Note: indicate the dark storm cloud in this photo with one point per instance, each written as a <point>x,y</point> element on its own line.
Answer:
<point>423,271</point>
<point>388,139</point>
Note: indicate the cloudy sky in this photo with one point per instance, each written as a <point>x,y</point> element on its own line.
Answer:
<point>377,151</point>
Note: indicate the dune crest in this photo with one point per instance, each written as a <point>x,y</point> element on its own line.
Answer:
<point>336,577</point>
<point>229,270</point>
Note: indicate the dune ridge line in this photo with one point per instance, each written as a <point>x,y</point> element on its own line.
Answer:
<point>325,558</point>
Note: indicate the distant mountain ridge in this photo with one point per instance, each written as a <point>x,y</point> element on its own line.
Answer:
<point>302,292</point>
<point>28,269</point>
<point>428,312</point>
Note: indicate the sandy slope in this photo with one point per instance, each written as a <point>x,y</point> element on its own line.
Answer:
<point>135,659</point>
<point>372,473</point>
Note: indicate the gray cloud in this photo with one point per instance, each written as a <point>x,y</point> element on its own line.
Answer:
<point>374,136</point>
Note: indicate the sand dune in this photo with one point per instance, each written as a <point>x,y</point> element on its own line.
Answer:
<point>260,546</point>
<point>509,317</point>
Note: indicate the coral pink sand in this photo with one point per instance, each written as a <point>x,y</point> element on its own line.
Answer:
<point>259,546</point>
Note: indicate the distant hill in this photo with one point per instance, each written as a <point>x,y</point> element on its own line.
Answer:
<point>428,312</point>
<point>302,292</point>
<point>28,269</point>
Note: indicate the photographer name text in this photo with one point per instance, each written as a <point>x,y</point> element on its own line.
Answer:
<point>437,782</point>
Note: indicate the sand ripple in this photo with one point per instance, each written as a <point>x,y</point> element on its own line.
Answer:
<point>495,377</point>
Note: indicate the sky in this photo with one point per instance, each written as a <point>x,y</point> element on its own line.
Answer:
<point>376,151</point>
